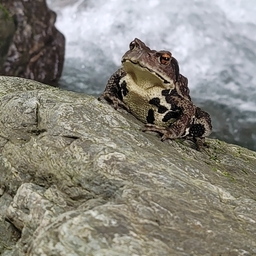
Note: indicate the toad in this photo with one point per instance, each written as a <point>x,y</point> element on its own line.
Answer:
<point>150,86</point>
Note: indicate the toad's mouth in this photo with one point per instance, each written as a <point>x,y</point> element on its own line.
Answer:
<point>144,75</point>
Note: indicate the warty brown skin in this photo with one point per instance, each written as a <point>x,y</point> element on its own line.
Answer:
<point>149,86</point>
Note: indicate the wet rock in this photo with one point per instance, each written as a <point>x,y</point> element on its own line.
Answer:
<point>80,178</point>
<point>37,49</point>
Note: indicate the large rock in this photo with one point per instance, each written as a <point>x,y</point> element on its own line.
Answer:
<point>80,178</point>
<point>37,49</point>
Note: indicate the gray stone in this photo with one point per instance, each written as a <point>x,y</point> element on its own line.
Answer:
<point>80,178</point>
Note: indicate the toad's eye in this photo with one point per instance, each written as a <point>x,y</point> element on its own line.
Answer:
<point>165,58</point>
<point>132,45</point>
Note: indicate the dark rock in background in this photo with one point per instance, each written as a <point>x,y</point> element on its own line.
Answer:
<point>7,30</point>
<point>37,49</point>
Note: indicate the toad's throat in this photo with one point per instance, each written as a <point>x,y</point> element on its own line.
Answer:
<point>142,73</point>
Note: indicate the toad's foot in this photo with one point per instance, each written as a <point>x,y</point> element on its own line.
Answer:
<point>199,143</point>
<point>165,132</point>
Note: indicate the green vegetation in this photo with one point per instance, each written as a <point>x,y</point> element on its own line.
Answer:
<point>4,13</point>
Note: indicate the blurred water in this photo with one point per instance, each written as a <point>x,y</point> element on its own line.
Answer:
<point>214,42</point>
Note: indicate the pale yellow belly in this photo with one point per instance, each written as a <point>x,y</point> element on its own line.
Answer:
<point>138,102</point>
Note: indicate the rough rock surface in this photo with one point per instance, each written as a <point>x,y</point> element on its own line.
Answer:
<point>37,49</point>
<point>80,178</point>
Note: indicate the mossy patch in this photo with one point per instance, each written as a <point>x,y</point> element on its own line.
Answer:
<point>4,13</point>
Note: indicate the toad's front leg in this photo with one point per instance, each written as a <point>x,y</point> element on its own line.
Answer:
<point>113,91</point>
